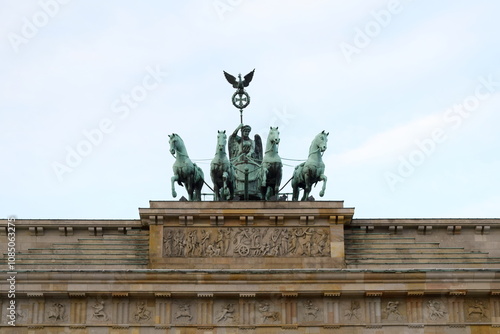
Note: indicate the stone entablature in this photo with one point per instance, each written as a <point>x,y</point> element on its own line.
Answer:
<point>255,267</point>
<point>423,243</point>
<point>246,234</point>
<point>181,300</point>
<point>67,244</point>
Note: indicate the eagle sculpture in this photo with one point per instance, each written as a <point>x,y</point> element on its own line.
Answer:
<point>238,83</point>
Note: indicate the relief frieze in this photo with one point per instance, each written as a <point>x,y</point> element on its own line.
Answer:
<point>267,312</point>
<point>246,242</point>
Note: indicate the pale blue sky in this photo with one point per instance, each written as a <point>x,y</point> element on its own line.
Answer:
<point>409,91</point>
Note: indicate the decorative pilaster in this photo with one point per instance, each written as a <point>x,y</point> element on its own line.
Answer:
<point>373,314</point>
<point>78,309</point>
<point>121,309</point>
<point>332,308</point>
<point>289,309</point>
<point>495,308</point>
<point>163,310</point>
<point>247,309</point>
<point>456,307</point>
<point>37,311</point>
<point>414,310</point>
<point>205,309</point>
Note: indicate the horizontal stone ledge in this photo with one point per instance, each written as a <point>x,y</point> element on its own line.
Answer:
<point>431,222</point>
<point>81,223</point>
<point>241,205</point>
<point>297,292</point>
<point>265,271</point>
<point>338,216</point>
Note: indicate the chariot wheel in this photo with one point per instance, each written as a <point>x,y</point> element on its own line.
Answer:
<point>244,250</point>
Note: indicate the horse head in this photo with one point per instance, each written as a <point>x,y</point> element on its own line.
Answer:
<point>221,141</point>
<point>173,143</point>
<point>177,145</point>
<point>274,136</point>
<point>321,140</point>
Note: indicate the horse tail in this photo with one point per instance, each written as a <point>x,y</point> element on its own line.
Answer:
<point>198,176</point>
<point>297,174</point>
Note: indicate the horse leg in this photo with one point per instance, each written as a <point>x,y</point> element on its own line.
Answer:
<point>198,192</point>
<point>278,182</point>
<point>323,178</point>
<point>190,187</point>
<point>216,191</point>
<point>231,188</point>
<point>295,187</point>
<point>263,186</point>
<point>174,179</point>
<point>264,176</point>
<point>307,185</point>
<point>269,193</point>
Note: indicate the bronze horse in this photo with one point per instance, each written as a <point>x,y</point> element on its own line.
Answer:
<point>186,173</point>
<point>221,170</point>
<point>272,167</point>
<point>310,172</point>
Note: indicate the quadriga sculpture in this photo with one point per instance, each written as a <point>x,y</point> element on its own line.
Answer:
<point>310,172</point>
<point>186,173</point>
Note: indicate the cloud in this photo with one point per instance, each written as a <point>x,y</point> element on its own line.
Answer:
<point>389,143</point>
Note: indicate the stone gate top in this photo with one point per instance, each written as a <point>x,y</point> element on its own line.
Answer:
<point>260,235</point>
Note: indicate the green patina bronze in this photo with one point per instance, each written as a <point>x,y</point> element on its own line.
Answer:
<point>246,156</point>
<point>310,172</point>
<point>272,167</point>
<point>250,173</point>
<point>222,171</point>
<point>186,173</point>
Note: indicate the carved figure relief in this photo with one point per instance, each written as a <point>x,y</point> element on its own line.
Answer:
<point>141,312</point>
<point>266,313</point>
<point>476,311</point>
<point>56,312</point>
<point>310,310</point>
<point>353,312</point>
<point>21,315</point>
<point>98,313</point>
<point>184,312</point>
<point>392,311</point>
<point>435,309</point>
<point>246,242</point>
<point>226,313</point>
